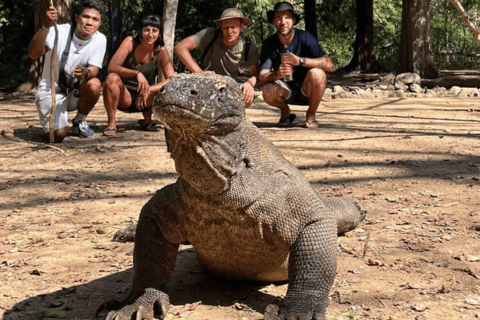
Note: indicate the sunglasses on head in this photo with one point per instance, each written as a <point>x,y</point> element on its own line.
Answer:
<point>152,18</point>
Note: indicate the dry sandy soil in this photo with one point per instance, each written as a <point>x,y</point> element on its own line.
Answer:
<point>413,164</point>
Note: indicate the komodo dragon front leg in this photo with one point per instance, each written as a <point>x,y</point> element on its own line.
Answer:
<point>311,272</point>
<point>154,262</point>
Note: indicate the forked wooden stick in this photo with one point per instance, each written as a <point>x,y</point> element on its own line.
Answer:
<point>53,59</point>
<point>466,21</point>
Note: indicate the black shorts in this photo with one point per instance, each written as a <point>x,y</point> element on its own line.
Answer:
<point>133,106</point>
<point>297,97</point>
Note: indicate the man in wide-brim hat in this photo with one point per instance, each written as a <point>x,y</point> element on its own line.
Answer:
<point>223,51</point>
<point>306,62</point>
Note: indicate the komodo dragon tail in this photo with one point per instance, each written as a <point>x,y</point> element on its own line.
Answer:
<point>347,213</point>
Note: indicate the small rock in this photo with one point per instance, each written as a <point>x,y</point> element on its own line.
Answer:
<point>454,91</point>
<point>416,88</point>
<point>472,301</point>
<point>471,258</point>
<point>401,86</point>
<point>408,78</point>
<point>337,89</point>
<point>469,92</point>
<point>420,307</point>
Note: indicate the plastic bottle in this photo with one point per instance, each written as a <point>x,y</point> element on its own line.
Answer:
<point>290,76</point>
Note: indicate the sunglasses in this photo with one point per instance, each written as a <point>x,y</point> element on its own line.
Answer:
<point>151,19</point>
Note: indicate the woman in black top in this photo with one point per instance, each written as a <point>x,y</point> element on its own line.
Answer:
<point>130,85</point>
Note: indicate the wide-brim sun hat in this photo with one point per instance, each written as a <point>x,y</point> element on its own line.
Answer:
<point>282,6</point>
<point>233,13</point>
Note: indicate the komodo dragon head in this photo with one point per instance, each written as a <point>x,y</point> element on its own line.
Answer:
<point>203,115</point>
<point>195,104</point>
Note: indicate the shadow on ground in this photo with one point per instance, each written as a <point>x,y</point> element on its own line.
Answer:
<point>188,285</point>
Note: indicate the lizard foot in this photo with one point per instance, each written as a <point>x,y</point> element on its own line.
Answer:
<point>125,235</point>
<point>295,310</point>
<point>145,307</point>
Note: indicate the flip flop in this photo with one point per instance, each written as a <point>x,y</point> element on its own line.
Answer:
<point>110,132</point>
<point>311,125</point>
<point>288,121</point>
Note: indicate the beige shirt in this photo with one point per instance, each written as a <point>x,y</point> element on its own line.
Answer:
<point>222,59</point>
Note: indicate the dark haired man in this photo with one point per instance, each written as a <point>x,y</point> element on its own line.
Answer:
<point>79,57</point>
<point>306,60</point>
<point>223,52</point>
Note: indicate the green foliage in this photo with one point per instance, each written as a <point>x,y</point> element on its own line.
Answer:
<point>336,29</point>
<point>16,30</point>
<point>387,21</point>
<point>452,44</point>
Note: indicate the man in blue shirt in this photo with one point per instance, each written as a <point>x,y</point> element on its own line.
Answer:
<point>305,59</point>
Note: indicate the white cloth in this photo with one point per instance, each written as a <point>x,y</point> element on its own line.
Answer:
<point>82,53</point>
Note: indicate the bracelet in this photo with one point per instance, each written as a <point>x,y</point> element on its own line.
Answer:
<point>87,71</point>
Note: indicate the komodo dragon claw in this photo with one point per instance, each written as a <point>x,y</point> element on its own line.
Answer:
<point>144,307</point>
<point>126,234</point>
<point>294,310</point>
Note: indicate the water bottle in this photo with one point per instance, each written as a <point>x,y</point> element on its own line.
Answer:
<point>290,76</point>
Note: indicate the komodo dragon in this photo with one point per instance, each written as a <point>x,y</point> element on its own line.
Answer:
<point>247,211</point>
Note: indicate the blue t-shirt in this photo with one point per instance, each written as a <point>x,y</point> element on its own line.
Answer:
<point>303,45</point>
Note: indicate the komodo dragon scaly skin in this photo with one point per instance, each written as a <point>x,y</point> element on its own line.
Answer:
<point>247,211</point>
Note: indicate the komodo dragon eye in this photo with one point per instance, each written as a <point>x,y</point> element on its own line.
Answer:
<point>194,92</point>
<point>220,86</point>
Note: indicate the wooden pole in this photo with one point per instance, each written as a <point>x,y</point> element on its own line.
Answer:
<point>52,82</point>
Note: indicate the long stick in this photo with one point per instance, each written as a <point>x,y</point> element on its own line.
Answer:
<point>466,21</point>
<point>53,59</point>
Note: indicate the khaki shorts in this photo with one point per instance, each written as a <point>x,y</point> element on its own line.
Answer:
<point>64,104</point>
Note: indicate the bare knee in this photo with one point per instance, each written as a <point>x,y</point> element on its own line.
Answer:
<point>316,75</point>
<point>112,80</point>
<point>92,88</point>
<point>272,93</point>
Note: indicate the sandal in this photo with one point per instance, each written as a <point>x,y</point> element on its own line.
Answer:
<point>152,126</point>
<point>288,121</point>
<point>110,132</point>
<point>311,125</point>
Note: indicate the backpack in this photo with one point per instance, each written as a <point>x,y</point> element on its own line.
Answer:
<point>248,42</point>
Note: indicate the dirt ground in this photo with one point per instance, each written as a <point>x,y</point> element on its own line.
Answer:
<point>413,164</point>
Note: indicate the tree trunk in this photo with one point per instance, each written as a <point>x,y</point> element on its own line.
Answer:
<point>310,17</point>
<point>363,58</point>
<point>414,55</point>
<point>39,9</point>
<point>115,24</point>
<point>169,18</point>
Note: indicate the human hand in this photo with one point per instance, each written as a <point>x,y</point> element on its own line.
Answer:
<point>290,59</point>
<point>284,70</point>
<point>81,72</point>
<point>248,93</point>
<point>142,82</point>
<point>51,17</point>
<point>207,72</point>
<point>142,97</point>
